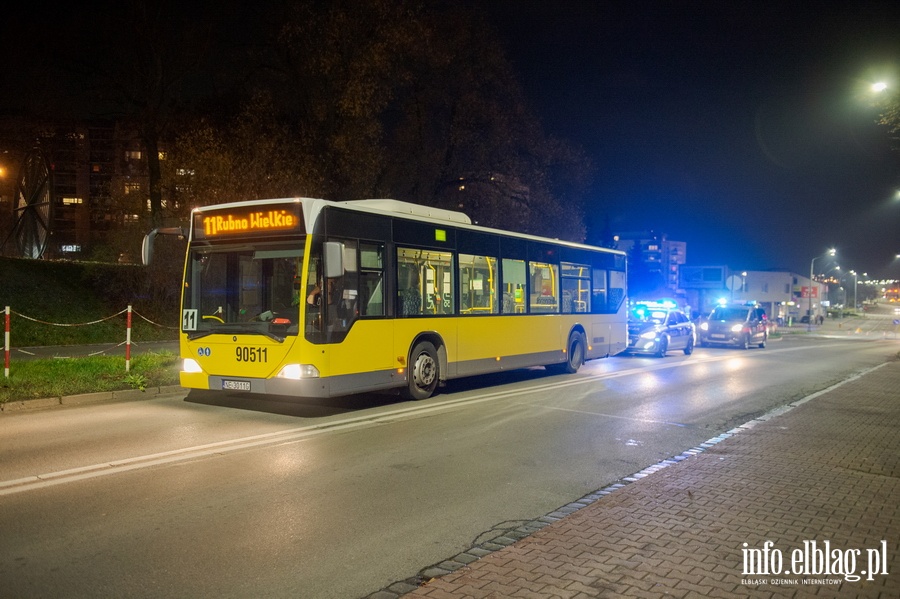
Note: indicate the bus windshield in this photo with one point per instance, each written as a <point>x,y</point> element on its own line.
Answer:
<point>242,289</point>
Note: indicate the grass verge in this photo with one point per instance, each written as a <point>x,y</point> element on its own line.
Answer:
<point>34,379</point>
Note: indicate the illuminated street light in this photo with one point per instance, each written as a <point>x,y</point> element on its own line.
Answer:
<point>879,87</point>
<point>830,252</point>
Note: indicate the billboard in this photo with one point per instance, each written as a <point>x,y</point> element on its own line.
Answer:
<point>701,277</point>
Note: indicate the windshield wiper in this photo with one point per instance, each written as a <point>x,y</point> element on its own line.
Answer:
<point>199,334</point>
<point>232,331</point>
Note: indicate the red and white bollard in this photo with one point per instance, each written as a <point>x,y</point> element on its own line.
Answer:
<point>6,344</point>
<point>128,341</point>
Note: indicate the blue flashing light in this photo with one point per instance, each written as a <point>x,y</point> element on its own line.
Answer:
<point>661,304</point>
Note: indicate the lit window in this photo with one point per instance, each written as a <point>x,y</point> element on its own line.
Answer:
<point>132,188</point>
<point>71,201</point>
<point>133,154</point>
<point>478,277</point>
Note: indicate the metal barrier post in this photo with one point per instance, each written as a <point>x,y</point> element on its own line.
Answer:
<point>128,341</point>
<point>6,344</point>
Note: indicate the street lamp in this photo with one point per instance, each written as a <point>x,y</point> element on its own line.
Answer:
<point>830,252</point>
<point>855,283</point>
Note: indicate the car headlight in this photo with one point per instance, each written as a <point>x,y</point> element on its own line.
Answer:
<point>298,371</point>
<point>737,328</point>
<point>648,335</point>
<point>704,326</point>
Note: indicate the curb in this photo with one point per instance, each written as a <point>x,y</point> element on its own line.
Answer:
<point>88,398</point>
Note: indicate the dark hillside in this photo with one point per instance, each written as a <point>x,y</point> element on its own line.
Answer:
<point>74,293</point>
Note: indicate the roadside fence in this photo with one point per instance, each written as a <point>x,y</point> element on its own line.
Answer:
<point>129,312</point>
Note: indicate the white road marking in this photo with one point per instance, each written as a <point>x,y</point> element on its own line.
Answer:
<point>39,481</point>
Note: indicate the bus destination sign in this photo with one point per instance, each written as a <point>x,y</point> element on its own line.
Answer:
<point>247,220</point>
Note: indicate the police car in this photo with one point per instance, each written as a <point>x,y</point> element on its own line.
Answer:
<point>656,328</point>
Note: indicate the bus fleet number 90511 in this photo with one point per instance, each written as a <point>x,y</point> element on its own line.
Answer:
<point>251,354</point>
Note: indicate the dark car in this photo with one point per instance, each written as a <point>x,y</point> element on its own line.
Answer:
<point>656,329</point>
<point>740,326</point>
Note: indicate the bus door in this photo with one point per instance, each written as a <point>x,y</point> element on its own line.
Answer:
<point>346,312</point>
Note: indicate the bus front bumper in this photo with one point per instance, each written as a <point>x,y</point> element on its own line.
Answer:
<point>309,387</point>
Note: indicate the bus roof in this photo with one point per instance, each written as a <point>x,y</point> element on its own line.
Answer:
<point>389,207</point>
<point>399,207</point>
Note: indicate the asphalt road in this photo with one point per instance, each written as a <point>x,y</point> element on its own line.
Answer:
<point>211,495</point>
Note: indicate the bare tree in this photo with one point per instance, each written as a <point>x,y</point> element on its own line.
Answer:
<point>889,105</point>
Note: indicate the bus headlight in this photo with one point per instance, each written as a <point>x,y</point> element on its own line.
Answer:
<point>298,371</point>
<point>191,365</point>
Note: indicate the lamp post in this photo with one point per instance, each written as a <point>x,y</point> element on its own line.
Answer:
<point>812,263</point>
<point>855,283</point>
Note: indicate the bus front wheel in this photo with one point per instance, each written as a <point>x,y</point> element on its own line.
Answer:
<point>424,371</point>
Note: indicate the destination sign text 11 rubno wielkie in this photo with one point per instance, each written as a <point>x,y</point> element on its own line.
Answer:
<point>242,222</point>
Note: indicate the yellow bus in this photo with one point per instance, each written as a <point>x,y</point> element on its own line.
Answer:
<point>313,298</point>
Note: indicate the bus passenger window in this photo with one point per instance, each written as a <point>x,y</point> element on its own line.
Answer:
<point>424,282</point>
<point>478,285</point>
<point>513,286</point>
<point>544,281</point>
<point>616,290</point>
<point>576,288</point>
<point>598,290</point>
<point>409,289</point>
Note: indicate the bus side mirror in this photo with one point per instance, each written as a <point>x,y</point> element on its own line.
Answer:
<point>334,259</point>
<point>147,247</point>
<point>147,243</point>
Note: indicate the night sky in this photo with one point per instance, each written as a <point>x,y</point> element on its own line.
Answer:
<point>742,128</point>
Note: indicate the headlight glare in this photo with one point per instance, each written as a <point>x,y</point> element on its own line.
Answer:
<point>299,371</point>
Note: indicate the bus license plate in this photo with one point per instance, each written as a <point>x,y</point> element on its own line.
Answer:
<point>236,385</point>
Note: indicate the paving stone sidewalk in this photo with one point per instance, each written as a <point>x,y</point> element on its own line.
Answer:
<point>820,481</point>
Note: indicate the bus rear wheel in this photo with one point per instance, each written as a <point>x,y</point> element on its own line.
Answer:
<point>424,371</point>
<point>575,354</point>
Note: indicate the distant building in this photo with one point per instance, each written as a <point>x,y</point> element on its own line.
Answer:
<point>784,295</point>
<point>660,257</point>
<point>77,184</point>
